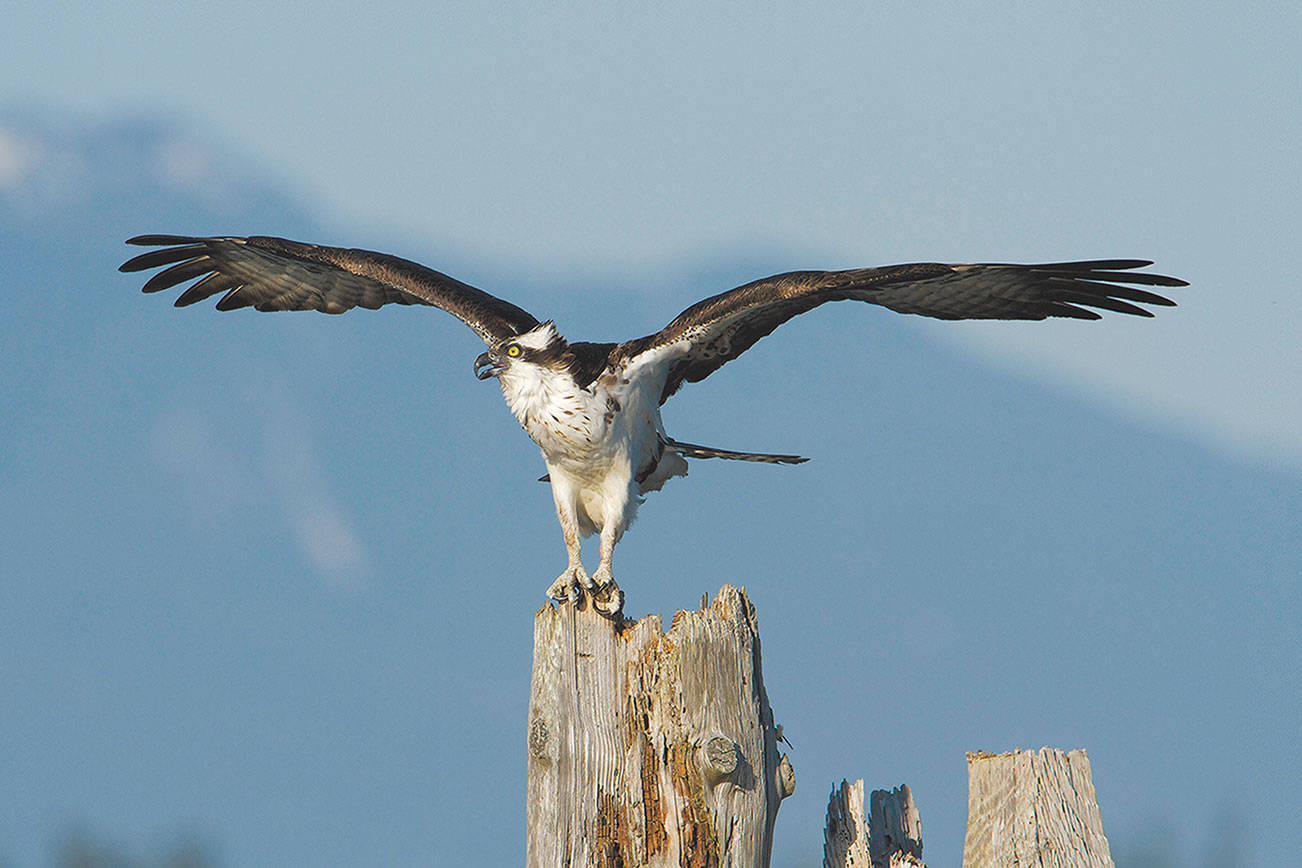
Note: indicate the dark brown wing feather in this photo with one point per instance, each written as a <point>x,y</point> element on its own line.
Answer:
<point>718,329</point>
<point>277,274</point>
<point>587,360</point>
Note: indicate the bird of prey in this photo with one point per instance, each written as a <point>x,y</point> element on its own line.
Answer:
<point>594,408</point>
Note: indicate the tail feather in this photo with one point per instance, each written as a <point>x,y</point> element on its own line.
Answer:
<point>689,450</point>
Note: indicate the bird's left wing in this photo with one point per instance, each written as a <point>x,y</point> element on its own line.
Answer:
<point>718,329</point>
<point>277,274</point>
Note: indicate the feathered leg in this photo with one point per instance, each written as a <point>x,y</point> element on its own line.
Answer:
<point>574,577</point>
<point>619,509</point>
<point>606,595</point>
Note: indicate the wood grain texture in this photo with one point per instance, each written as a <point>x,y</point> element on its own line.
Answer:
<point>889,836</point>
<point>845,837</point>
<point>1035,809</point>
<point>651,747</point>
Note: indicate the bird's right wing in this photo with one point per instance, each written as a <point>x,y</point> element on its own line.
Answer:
<point>277,274</point>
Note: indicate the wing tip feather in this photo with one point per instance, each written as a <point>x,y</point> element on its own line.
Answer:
<point>164,240</point>
<point>1071,311</point>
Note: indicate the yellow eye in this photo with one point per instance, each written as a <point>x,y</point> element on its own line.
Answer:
<point>513,350</point>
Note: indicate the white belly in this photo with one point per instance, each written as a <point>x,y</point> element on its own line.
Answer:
<point>598,474</point>
<point>593,454</point>
<point>595,441</point>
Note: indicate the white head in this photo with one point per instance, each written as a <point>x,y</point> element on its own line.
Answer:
<point>540,337</point>
<point>542,347</point>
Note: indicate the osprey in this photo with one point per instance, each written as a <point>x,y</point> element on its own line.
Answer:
<point>594,408</point>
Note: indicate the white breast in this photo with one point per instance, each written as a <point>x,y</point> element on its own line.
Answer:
<point>560,418</point>
<point>615,419</point>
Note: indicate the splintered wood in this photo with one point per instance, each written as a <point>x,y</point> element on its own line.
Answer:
<point>1035,809</point>
<point>649,747</point>
<point>889,836</point>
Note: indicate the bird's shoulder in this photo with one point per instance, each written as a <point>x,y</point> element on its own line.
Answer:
<point>589,360</point>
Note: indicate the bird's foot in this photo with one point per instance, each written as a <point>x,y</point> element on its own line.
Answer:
<point>607,598</point>
<point>609,601</point>
<point>569,585</point>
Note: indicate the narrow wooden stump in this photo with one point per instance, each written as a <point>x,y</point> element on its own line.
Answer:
<point>1033,809</point>
<point>890,836</point>
<point>649,747</point>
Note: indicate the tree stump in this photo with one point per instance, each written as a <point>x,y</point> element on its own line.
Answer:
<point>649,747</point>
<point>1035,809</point>
<point>890,836</point>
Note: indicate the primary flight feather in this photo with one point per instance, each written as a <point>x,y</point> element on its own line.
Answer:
<point>594,408</point>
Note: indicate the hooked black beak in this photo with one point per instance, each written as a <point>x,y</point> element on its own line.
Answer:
<point>487,365</point>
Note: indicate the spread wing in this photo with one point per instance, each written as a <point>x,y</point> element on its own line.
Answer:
<point>277,274</point>
<point>718,329</point>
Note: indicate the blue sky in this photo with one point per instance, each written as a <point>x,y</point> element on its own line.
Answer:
<point>252,519</point>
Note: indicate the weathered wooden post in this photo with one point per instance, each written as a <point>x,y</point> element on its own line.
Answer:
<point>1033,808</point>
<point>655,748</point>
<point>649,747</point>
<point>1025,808</point>
<point>889,836</point>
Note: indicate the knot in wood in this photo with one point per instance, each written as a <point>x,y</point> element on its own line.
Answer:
<point>538,737</point>
<point>721,757</point>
